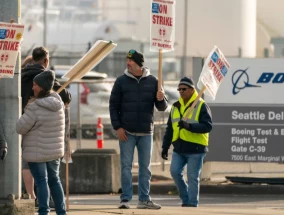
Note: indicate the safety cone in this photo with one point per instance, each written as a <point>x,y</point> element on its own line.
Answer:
<point>100,134</point>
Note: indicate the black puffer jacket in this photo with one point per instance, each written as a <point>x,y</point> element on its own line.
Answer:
<point>132,102</point>
<point>28,74</point>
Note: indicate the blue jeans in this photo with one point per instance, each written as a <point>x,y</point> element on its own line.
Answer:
<point>144,146</point>
<point>188,193</point>
<point>46,175</point>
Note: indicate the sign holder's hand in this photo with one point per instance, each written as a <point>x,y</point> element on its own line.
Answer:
<point>160,95</point>
<point>121,134</point>
<point>164,154</point>
<point>3,153</point>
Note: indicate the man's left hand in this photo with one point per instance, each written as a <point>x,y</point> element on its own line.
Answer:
<point>183,124</point>
<point>3,153</point>
<point>160,95</point>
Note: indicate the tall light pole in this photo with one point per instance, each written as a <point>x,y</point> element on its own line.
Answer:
<point>44,22</point>
<point>184,68</point>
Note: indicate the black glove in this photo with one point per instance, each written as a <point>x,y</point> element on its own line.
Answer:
<point>183,124</point>
<point>164,154</point>
<point>3,152</point>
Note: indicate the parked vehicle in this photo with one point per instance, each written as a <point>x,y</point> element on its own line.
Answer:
<point>94,91</point>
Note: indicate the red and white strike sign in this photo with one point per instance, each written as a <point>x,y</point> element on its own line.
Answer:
<point>11,35</point>
<point>162,32</point>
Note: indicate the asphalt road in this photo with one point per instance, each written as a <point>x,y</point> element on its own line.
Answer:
<point>209,205</point>
<point>232,201</point>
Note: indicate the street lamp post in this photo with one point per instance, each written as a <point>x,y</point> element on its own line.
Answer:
<point>44,22</point>
<point>183,72</point>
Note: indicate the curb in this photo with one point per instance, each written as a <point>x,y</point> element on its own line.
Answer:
<point>237,189</point>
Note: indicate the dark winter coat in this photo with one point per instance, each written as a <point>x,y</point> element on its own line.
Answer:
<point>28,74</point>
<point>132,102</point>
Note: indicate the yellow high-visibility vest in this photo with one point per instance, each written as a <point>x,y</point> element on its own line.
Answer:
<point>184,134</point>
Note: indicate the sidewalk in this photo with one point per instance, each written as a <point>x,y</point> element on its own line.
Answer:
<point>162,184</point>
<point>110,209</point>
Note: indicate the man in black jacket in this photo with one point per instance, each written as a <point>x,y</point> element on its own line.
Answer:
<point>40,62</point>
<point>190,140</point>
<point>132,101</point>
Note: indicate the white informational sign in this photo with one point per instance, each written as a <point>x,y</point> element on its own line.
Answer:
<point>252,81</point>
<point>213,72</point>
<point>162,25</point>
<point>11,35</point>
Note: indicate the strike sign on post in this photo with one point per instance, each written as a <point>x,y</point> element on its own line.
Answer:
<point>11,35</point>
<point>213,72</point>
<point>162,25</point>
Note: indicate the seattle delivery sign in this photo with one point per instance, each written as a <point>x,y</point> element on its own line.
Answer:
<point>162,30</point>
<point>11,35</point>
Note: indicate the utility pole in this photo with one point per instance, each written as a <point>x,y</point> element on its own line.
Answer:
<point>10,111</point>
<point>184,67</point>
<point>44,22</point>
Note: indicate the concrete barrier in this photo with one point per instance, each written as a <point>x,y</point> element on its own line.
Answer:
<point>93,171</point>
<point>13,206</point>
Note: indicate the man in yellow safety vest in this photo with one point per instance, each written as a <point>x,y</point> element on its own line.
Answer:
<point>190,140</point>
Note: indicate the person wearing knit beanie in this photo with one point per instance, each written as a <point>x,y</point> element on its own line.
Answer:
<point>136,56</point>
<point>133,98</point>
<point>187,81</point>
<point>45,80</point>
<point>189,135</point>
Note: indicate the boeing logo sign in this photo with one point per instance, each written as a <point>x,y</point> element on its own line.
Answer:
<point>240,80</point>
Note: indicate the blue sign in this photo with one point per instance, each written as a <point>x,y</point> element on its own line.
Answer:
<point>214,57</point>
<point>224,70</point>
<point>155,8</point>
<point>3,33</point>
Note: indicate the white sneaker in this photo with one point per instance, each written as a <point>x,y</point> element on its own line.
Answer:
<point>124,205</point>
<point>148,205</point>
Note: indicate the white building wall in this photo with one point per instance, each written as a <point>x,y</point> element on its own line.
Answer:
<point>229,24</point>
<point>270,24</point>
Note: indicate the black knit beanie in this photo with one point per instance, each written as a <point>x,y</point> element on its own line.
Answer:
<point>45,80</point>
<point>187,81</point>
<point>136,56</point>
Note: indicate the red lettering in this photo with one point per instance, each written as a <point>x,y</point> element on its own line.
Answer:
<point>210,64</point>
<point>154,19</point>
<point>220,63</point>
<point>9,46</point>
<point>161,20</point>
<point>6,71</point>
<point>167,46</point>
<point>5,45</point>
<point>163,9</point>
<point>10,33</point>
<point>215,70</point>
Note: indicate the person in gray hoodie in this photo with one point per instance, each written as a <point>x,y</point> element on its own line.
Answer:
<point>43,128</point>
